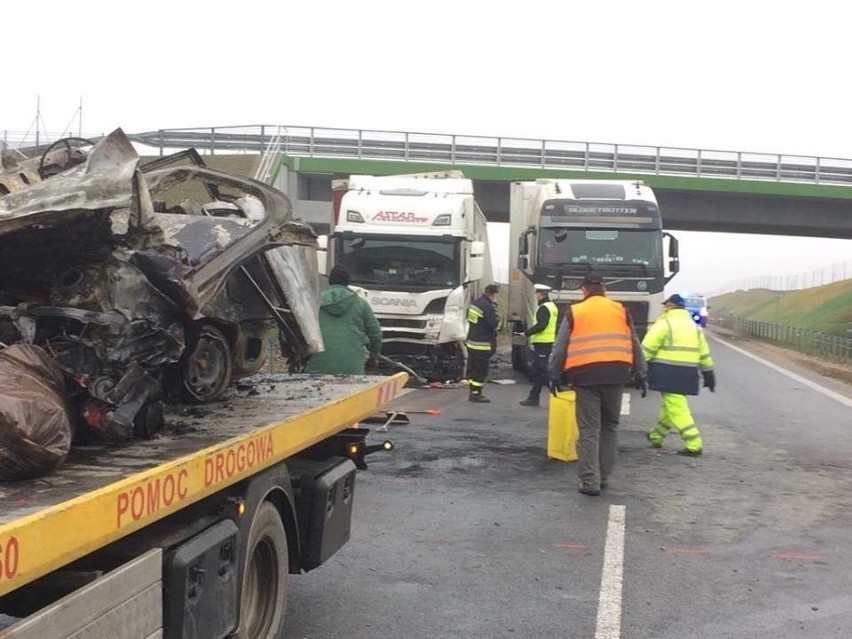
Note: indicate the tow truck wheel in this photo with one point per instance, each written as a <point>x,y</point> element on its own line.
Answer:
<point>207,368</point>
<point>264,588</point>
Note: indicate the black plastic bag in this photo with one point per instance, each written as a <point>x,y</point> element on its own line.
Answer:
<point>35,427</point>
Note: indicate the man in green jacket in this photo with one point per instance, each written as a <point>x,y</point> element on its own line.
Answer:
<point>348,327</point>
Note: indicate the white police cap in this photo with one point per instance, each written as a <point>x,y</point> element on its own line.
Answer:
<point>542,288</point>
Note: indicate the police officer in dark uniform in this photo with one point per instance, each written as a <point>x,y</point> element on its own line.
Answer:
<point>481,340</point>
<point>541,335</point>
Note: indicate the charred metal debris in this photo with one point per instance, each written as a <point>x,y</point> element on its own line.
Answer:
<point>148,282</point>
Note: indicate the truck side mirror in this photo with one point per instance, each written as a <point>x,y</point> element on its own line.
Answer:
<point>674,261</point>
<point>674,265</point>
<point>322,254</point>
<point>476,268</point>
<point>523,243</point>
<point>524,249</point>
<point>673,245</point>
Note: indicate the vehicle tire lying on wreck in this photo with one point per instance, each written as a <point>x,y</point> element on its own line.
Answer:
<point>35,427</point>
<point>205,369</point>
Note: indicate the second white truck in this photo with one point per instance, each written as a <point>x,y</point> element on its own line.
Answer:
<point>562,229</point>
<point>417,247</point>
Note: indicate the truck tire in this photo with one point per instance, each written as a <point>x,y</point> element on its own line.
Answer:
<point>263,599</point>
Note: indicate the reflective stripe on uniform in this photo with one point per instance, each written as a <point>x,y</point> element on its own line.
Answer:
<point>681,342</point>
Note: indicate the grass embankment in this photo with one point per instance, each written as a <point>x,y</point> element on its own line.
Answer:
<point>823,309</point>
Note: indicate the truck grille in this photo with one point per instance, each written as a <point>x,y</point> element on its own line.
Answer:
<point>399,328</point>
<point>639,314</point>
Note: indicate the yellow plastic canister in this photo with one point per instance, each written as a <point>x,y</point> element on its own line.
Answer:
<point>562,430</point>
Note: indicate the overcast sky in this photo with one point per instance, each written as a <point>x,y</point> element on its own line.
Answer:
<point>740,76</point>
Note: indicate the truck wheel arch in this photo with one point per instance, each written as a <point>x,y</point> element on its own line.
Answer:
<point>272,485</point>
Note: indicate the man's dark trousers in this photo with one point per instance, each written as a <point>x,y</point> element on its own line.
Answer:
<point>598,414</point>
<point>538,374</point>
<point>477,369</point>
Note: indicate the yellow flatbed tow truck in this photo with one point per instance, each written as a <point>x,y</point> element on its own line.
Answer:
<point>192,534</point>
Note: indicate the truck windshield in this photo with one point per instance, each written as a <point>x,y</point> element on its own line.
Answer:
<point>401,262</point>
<point>561,246</point>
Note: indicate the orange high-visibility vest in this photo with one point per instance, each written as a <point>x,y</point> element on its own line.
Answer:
<point>599,333</point>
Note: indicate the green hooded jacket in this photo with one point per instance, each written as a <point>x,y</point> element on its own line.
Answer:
<point>348,325</point>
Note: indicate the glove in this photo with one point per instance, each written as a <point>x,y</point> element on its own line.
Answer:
<point>642,385</point>
<point>555,386</point>
<point>709,380</point>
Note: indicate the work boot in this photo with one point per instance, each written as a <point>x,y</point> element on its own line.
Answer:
<point>529,401</point>
<point>690,453</point>
<point>652,442</point>
<point>585,489</point>
<point>478,398</point>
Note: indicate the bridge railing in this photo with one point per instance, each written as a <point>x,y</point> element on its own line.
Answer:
<point>435,148</point>
<point>505,151</point>
<point>824,345</point>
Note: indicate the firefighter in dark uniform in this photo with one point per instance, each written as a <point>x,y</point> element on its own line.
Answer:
<point>541,335</point>
<point>481,340</point>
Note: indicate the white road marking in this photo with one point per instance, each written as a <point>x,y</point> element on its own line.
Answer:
<point>625,404</point>
<point>820,389</point>
<point>612,577</point>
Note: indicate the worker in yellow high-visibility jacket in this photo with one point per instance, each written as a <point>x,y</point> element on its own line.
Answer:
<point>541,334</point>
<point>676,350</point>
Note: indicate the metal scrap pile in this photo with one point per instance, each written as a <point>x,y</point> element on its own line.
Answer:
<point>145,282</point>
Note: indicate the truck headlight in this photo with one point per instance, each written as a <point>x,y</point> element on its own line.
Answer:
<point>433,327</point>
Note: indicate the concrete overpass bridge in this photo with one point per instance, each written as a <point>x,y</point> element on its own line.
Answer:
<point>698,190</point>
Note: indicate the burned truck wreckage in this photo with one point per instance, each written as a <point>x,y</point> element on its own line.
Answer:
<point>143,283</point>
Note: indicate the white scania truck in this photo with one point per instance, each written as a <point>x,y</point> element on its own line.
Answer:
<point>562,229</point>
<point>417,246</point>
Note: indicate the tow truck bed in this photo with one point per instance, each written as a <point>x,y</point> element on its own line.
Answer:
<point>105,492</point>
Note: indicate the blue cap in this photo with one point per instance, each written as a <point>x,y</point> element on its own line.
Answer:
<point>675,299</point>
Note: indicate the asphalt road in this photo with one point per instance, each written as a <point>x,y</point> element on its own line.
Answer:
<point>468,530</point>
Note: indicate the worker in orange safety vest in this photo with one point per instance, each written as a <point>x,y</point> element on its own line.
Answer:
<point>596,353</point>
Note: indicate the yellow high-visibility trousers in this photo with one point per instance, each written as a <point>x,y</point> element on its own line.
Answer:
<point>674,413</point>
